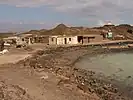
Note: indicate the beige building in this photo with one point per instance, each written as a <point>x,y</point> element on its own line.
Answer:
<point>71,40</point>
<point>28,38</point>
<point>61,40</point>
<point>41,39</point>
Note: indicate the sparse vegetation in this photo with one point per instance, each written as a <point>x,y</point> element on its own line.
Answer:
<point>61,29</point>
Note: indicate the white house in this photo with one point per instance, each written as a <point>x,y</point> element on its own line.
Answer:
<point>61,40</point>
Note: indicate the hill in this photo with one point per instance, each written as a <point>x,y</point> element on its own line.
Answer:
<point>36,32</point>
<point>4,35</point>
<point>122,29</point>
<point>61,29</point>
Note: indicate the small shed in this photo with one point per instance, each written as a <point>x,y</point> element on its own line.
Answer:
<point>28,38</point>
<point>10,40</point>
<point>109,35</point>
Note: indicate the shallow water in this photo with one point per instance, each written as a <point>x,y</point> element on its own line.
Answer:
<point>116,65</point>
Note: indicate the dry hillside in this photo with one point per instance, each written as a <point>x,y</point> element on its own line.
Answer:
<point>38,32</point>
<point>122,29</point>
<point>4,35</point>
<point>61,29</point>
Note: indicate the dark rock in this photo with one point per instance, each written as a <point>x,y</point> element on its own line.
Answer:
<point>129,77</point>
<point>1,95</point>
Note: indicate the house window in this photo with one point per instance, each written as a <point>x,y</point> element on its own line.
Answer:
<point>69,39</point>
<point>22,39</point>
<point>52,39</point>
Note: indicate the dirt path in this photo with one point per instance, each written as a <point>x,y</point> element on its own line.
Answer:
<point>14,55</point>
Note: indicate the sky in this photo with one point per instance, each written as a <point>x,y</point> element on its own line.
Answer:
<point>23,15</point>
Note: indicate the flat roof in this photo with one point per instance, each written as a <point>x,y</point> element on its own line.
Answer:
<point>27,35</point>
<point>9,38</point>
<point>85,35</point>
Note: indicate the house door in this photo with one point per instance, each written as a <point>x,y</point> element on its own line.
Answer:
<point>65,40</point>
<point>56,40</point>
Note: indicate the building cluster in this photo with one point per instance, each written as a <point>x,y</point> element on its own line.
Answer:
<point>76,39</point>
<point>27,39</point>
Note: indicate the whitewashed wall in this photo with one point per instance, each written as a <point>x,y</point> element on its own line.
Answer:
<point>61,40</point>
<point>74,40</point>
<point>52,42</point>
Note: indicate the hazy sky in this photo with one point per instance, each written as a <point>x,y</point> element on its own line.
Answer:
<point>35,14</point>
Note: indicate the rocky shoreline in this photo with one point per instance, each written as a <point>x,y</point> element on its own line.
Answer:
<point>60,61</point>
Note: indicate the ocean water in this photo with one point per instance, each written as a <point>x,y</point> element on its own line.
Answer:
<point>116,65</point>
